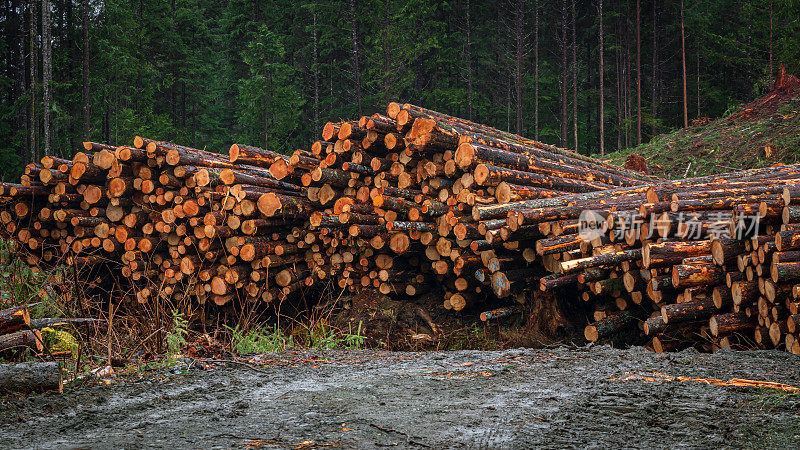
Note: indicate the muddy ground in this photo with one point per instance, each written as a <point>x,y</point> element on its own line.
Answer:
<point>467,399</point>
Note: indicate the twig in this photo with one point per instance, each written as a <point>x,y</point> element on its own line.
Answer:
<point>142,341</point>
<point>78,360</point>
<point>687,169</point>
<point>408,438</point>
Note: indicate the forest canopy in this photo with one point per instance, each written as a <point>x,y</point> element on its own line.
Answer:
<point>209,73</point>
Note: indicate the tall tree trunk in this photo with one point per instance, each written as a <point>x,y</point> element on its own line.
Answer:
<point>315,69</point>
<point>602,114</point>
<point>638,73</point>
<point>106,115</point>
<point>627,96</point>
<point>536,70</point>
<point>620,108</point>
<point>15,20</point>
<point>564,70</point>
<point>698,79</point>
<point>356,67</point>
<point>183,104</point>
<point>770,39</point>
<point>683,64</point>
<point>22,73</point>
<point>85,71</point>
<point>331,68</point>
<point>266,109</point>
<point>47,74</point>
<point>574,80</point>
<point>386,69</point>
<point>34,64</point>
<point>469,61</point>
<point>655,67</point>
<point>8,7</point>
<point>508,104</point>
<point>76,109</point>
<point>518,34</point>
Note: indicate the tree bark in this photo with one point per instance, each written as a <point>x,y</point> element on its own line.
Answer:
<point>536,70</point>
<point>356,67</point>
<point>620,111</point>
<point>266,109</point>
<point>574,80</point>
<point>386,50</point>
<point>770,40</point>
<point>655,67</point>
<point>315,68</point>
<point>34,64</point>
<point>47,73</point>
<point>469,62</point>
<point>638,74</point>
<point>608,326</point>
<point>698,79</point>
<point>518,35</point>
<point>30,377</point>
<point>564,70</point>
<point>85,74</point>
<point>626,86</point>
<point>602,114</point>
<point>683,64</point>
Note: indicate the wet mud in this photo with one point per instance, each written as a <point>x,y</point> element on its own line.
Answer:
<point>544,398</point>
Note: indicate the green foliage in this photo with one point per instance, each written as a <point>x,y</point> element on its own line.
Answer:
<point>318,334</point>
<point>315,334</point>
<point>208,73</point>
<point>354,341</point>
<point>271,104</point>
<point>261,339</point>
<point>176,338</point>
<point>20,284</point>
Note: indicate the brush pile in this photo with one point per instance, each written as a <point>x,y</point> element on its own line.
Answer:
<point>407,202</point>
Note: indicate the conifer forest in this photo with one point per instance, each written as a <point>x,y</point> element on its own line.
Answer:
<point>207,73</point>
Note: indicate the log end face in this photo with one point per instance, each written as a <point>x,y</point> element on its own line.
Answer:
<point>328,131</point>
<point>233,152</point>
<point>399,242</point>
<point>393,109</point>
<point>279,169</point>
<point>646,256</point>
<point>481,174</point>
<point>465,154</point>
<point>590,333</point>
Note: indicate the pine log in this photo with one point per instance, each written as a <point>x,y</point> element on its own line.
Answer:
<point>30,377</point>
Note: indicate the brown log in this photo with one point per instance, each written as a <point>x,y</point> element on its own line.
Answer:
<point>723,324</point>
<point>688,311</point>
<point>607,327</point>
<point>668,253</point>
<point>30,377</point>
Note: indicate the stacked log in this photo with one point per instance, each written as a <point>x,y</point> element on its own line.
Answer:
<point>710,262</point>
<point>414,200</point>
<point>395,197</point>
<point>384,202</point>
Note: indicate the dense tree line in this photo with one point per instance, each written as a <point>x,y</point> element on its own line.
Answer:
<point>208,73</point>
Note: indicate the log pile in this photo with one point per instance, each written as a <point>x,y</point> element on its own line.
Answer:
<point>710,262</point>
<point>415,200</point>
<point>382,202</point>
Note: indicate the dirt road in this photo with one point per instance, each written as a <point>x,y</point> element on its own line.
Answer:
<point>471,399</point>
